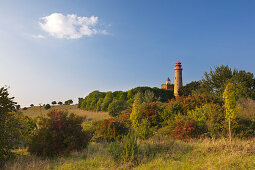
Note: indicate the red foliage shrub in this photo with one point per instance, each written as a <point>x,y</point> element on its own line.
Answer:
<point>59,133</point>
<point>151,112</point>
<point>124,117</point>
<point>186,130</point>
<point>194,101</point>
<point>110,129</point>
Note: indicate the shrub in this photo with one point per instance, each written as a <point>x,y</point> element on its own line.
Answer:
<point>60,103</point>
<point>110,129</point>
<point>186,130</point>
<point>60,133</point>
<point>47,106</point>
<point>124,117</point>
<point>170,111</point>
<point>245,128</point>
<point>143,130</point>
<point>126,151</point>
<point>151,112</point>
<point>210,117</point>
<point>194,101</point>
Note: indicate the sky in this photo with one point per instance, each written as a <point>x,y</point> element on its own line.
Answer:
<point>62,49</point>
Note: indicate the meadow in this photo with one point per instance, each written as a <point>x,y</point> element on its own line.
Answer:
<point>155,153</point>
<point>35,111</point>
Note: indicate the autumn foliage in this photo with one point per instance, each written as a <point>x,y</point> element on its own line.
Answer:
<point>60,133</point>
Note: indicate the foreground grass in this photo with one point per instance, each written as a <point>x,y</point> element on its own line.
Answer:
<point>154,153</point>
<point>37,111</point>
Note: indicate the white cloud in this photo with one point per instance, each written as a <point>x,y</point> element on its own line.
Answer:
<point>39,36</point>
<point>70,26</point>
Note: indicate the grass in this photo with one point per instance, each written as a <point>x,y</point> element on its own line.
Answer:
<point>154,153</point>
<point>35,111</point>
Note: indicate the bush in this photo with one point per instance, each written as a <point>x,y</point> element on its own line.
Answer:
<point>60,133</point>
<point>151,112</point>
<point>211,117</point>
<point>110,129</point>
<point>143,130</point>
<point>47,106</point>
<point>245,128</point>
<point>186,130</point>
<point>126,151</point>
<point>9,126</point>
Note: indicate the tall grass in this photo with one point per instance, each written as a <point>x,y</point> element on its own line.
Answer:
<point>154,153</point>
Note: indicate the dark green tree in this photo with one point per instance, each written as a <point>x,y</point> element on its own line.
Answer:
<point>116,107</point>
<point>53,102</point>
<point>216,80</point>
<point>47,106</point>
<point>60,103</point>
<point>107,100</point>
<point>189,88</point>
<point>9,126</point>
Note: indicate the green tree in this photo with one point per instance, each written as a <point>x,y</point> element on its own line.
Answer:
<point>115,107</point>
<point>135,115</point>
<point>216,80</point>
<point>148,96</point>
<point>31,105</point>
<point>107,100</point>
<point>53,102</point>
<point>99,103</point>
<point>230,105</point>
<point>47,106</point>
<point>139,97</point>
<point>189,88</point>
<point>9,125</point>
<point>60,103</point>
<point>68,102</point>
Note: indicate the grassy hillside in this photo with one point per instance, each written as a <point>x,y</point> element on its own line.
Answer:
<point>154,153</point>
<point>37,110</point>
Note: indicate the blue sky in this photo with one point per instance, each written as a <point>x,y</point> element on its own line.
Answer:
<point>117,44</point>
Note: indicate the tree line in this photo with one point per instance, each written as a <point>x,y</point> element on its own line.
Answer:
<point>115,102</point>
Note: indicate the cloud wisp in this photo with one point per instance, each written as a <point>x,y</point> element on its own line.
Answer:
<point>70,26</point>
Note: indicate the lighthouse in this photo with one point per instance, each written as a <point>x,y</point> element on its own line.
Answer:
<point>177,78</point>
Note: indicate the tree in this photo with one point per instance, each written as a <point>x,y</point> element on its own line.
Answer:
<point>53,102</point>
<point>139,97</point>
<point>189,88</point>
<point>9,125</point>
<point>230,105</point>
<point>31,105</point>
<point>47,106</point>
<point>216,80</point>
<point>107,100</point>
<point>17,107</point>
<point>148,96</point>
<point>135,115</point>
<point>60,103</point>
<point>68,102</point>
<point>115,107</point>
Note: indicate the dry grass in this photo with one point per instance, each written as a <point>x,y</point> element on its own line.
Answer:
<point>247,109</point>
<point>37,111</point>
<point>154,153</point>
